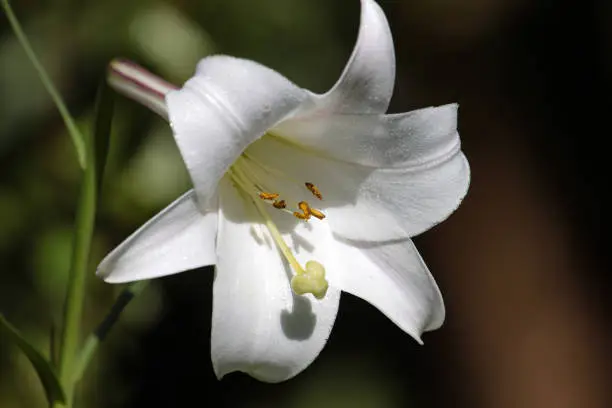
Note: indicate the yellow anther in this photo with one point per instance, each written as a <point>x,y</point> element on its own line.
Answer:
<point>268,196</point>
<point>280,204</point>
<point>312,280</point>
<point>301,216</point>
<point>303,205</point>
<point>316,213</point>
<point>314,190</point>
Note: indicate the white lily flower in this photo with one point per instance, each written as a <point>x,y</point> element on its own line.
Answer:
<point>297,197</point>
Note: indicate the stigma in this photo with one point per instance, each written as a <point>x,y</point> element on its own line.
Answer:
<point>312,280</point>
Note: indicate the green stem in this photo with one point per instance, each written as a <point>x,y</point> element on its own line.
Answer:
<point>77,279</point>
<point>73,130</point>
<point>91,344</point>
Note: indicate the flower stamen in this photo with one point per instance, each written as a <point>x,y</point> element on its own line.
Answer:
<point>279,204</point>
<point>308,280</point>
<point>303,205</point>
<point>250,173</point>
<point>314,190</point>
<point>316,213</point>
<point>266,168</point>
<point>243,161</point>
<point>268,196</point>
<point>301,216</point>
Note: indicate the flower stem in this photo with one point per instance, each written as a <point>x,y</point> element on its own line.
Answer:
<point>75,295</point>
<point>91,344</point>
<point>73,130</point>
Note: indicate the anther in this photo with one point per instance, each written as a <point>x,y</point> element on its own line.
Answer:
<point>280,204</point>
<point>301,216</point>
<point>314,190</point>
<point>316,213</point>
<point>303,205</point>
<point>268,196</point>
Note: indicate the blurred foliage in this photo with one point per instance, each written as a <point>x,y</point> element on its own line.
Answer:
<point>43,366</point>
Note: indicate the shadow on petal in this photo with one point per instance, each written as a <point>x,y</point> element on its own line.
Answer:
<point>300,322</point>
<point>364,245</point>
<point>298,243</point>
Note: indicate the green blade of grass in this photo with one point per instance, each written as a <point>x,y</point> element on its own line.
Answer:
<point>46,373</point>
<point>96,149</point>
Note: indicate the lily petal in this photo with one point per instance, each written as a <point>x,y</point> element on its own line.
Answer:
<point>370,204</point>
<point>418,198</point>
<point>177,239</point>
<point>390,275</point>
<point>259,326</point>
<point>393,278</point>
<point>366,85</point>
<point>227,105</point>
<point>411,139</point>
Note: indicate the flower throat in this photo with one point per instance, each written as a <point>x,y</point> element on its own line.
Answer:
<point>308,279</point>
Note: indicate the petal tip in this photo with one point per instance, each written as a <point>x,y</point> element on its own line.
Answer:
<point>108,277</point>
<point>263,371</point>
<point>219,374</point>
<point>367,81</point>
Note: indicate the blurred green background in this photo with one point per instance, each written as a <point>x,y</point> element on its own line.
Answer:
<point>522,264</point>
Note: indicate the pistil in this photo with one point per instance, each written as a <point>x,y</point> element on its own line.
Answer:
<point>306,280</point>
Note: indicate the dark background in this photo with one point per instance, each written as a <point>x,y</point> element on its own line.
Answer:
<point>523,264</point>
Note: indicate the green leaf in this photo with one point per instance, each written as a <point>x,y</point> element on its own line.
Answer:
<point>45,371</point>
<point>96,148</point>
<point>73,130</point>
<point>102,128</point>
